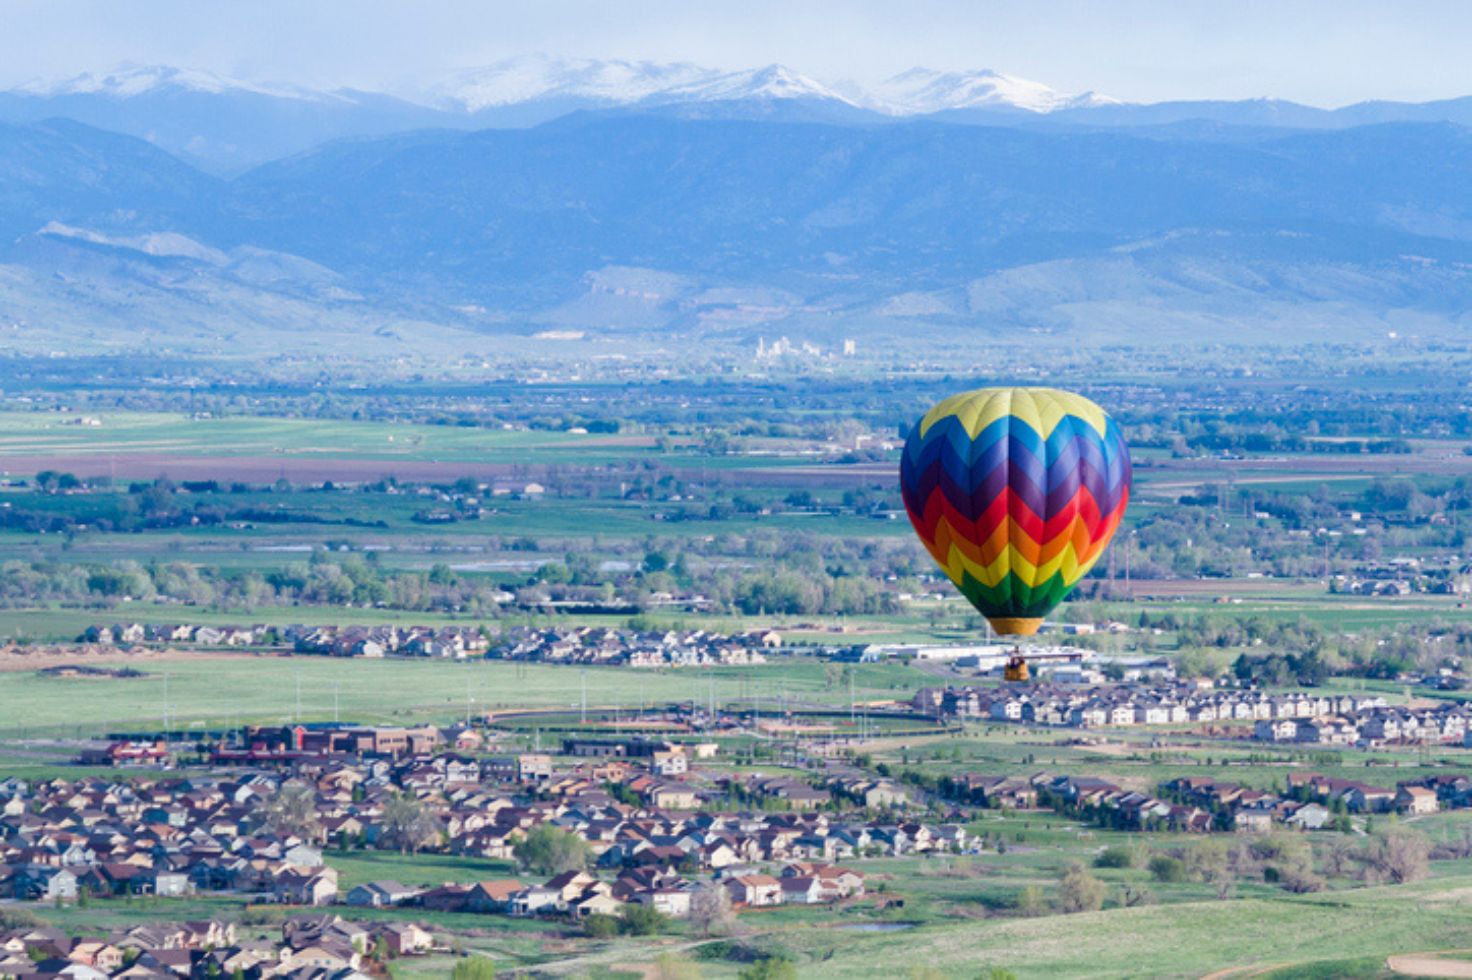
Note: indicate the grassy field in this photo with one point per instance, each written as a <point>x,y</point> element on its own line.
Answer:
<point>208,693</point>
<point>1171,941</point>
<point>26,436</point>
<point>422,870</point>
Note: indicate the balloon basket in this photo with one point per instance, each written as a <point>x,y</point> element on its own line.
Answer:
<point>1016,625</point>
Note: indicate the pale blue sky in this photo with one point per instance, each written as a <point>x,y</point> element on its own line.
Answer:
<point>1321,52</point>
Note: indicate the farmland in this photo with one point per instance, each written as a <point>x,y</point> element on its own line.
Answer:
<point>728,503</point>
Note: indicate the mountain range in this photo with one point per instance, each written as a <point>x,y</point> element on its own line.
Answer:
<point>227,125</point>
<point>670,201</point>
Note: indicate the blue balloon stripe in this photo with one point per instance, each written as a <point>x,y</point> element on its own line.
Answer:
<point>970,489</point>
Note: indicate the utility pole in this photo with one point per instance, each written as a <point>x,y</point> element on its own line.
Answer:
<point>584,675</point>
<point>467,702</point>
<point>167,729</point>
<point>298,695</point>
<point>1129,549</point>
<point>335,686</point>
<point>852,705</point>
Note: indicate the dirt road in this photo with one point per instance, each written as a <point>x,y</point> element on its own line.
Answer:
<point>1430,964</point>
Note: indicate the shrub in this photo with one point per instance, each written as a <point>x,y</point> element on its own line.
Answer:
<point>1115,857</point>
<point>1079,891</point>
<point>672,966</point>
<point>1030,901</point>
<point>771,968</point>
<point>1168,869</point>
<point>474,968</point>
<point>642,920</point>
<point>13,918</point>
<point>600,926</point>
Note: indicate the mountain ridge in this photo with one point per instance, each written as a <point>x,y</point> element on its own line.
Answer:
<point>812,228</point>
<point>228,125</point>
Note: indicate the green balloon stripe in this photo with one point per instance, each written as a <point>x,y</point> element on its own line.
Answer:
<point>1014,597</point>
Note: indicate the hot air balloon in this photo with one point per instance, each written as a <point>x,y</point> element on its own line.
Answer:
<point>1015,492</point>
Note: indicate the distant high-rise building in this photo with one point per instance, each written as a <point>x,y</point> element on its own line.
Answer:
<point>849,348</point>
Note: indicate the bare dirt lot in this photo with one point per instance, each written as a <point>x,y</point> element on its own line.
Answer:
<point>1430,965</point>
<point>13,658</point>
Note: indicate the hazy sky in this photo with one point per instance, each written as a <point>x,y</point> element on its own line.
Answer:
<point>1322,52</point>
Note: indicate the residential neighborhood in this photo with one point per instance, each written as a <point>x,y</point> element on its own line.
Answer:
<point>598,646</point>
<point>1363,720</point>
<point>1204,804</point>
<point>304,947</point>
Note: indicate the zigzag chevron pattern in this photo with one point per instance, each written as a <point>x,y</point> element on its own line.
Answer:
<point>1015,492</point>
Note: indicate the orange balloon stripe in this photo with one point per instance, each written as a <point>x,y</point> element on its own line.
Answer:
<point>1086,537</point>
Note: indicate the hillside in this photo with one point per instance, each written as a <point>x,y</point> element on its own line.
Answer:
<point>749,227</point>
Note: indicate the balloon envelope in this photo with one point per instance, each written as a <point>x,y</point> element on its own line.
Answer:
<point>1015,492</point>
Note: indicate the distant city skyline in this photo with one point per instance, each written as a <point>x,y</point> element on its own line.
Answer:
<point>1325,53</point>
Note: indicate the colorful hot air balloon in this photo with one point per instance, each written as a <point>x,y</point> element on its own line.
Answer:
<point>1015,492</point>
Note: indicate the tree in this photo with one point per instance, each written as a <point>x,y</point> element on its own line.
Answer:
<point>292,810</point>
<point>710,910</point>
<point>1401,854</point>
<point>407,825</point>
<point>549,850</point>
<point>642,920</point>
<point>1079,891</point>
<point>1207,861</point>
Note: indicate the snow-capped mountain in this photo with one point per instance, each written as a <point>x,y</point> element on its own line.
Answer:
<point>771,82</point>
<point>521,85</point>
<point>921,91</point>
<point>540,77</point>
<point>223,124</point>
<point>228,125</point>
<point>132,81</point>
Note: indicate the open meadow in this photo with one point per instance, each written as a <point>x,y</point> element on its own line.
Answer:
<point>216,691</point>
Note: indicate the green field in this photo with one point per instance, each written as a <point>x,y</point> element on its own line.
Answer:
<point>416,870</point>
<point>1170,941</point>
<point>210,693</point>
<point>39,434</point>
